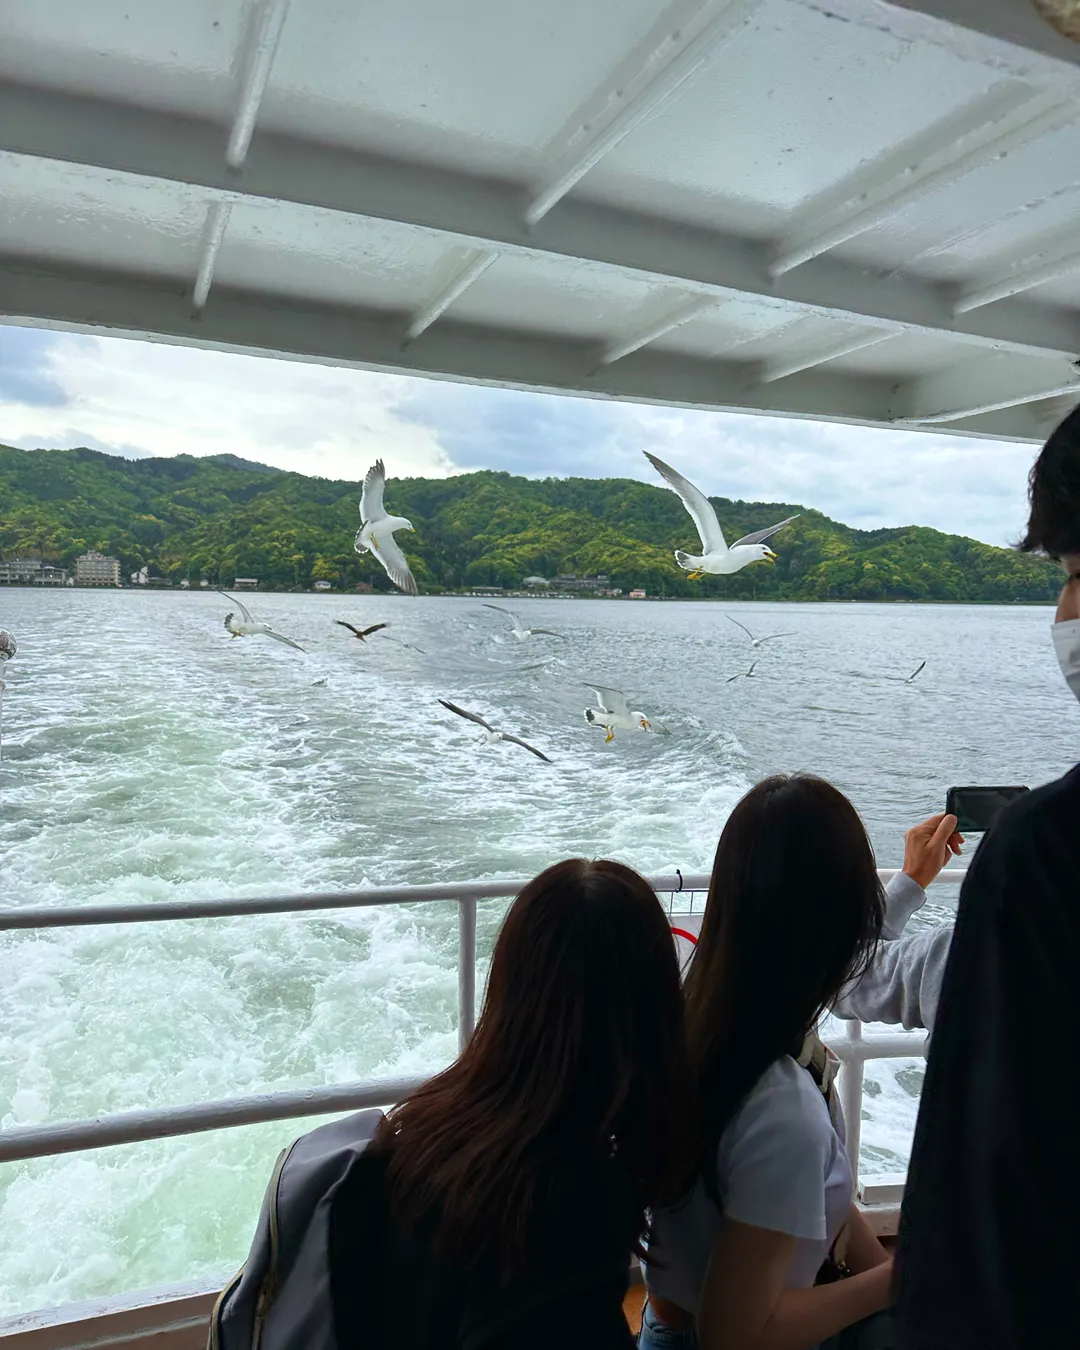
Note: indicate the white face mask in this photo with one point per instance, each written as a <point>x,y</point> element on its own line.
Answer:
<point>1067,646</point>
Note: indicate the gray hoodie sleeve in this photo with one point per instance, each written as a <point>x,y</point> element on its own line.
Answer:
<point>903,982</point>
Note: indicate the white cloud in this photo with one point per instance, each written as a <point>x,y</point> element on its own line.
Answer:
<point>149,398</point>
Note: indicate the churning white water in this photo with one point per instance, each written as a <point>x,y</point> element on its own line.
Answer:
<point>146,756</point>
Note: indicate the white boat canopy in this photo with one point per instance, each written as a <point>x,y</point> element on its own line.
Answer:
<point>845,210</point>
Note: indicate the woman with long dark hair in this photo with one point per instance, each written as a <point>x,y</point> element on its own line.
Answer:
<point>499,1205</point>
<point>750,1258</point>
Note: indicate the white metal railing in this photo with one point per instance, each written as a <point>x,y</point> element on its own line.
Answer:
<point>685,895</point>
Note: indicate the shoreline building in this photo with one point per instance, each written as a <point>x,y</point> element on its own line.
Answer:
<point>97,569</point>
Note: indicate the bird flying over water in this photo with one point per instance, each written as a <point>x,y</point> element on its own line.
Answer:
<point>756,642</point>
<point>613,713</point>
<point>716,557</point>
<point>376,532</point>
<point>907,679</point>
<point>248,627</point>
<point>522,634</point>
<point>361,633</point>
<point>742,675</point>
<point>489,735</point>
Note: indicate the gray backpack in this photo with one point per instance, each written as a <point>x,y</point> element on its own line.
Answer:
<point>280,1298</point>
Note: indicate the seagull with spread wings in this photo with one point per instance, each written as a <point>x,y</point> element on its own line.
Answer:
<point>716,556</point>
<point>907,679</point>
<point>756,642</point>
<point>361,633</point>
<point>613,713</point>
<point>248,627</point>
<point>376,532</point>
<point>522,634</point>
<point>489,735</point>
<point>742,675</point>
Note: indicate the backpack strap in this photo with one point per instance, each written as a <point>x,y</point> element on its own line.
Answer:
<point>823,1066</point>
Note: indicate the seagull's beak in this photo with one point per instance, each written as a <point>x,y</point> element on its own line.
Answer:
<point>770,556</point>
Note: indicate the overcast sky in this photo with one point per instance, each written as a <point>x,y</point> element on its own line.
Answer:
<point>139,398</point>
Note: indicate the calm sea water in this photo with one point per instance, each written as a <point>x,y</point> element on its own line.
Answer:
<point>146,756</point>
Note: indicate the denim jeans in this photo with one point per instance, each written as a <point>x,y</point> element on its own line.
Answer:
<point>655,1335</point>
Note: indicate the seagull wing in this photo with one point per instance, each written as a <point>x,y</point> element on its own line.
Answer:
<point>545,632</point>
<point>773,636</point>
<point>525,744</point>
<point>349,627</point>
<point>366,632</point>
<point>732,678</point>
<point>371,503</point>
<point>280,637</point>
<point>916,670</point>
<point>751,670</point>
<point>245,613</point>
<point>498,607</point>
<point>742,626</point>
<point>759,536</point>
<point>611,700</point>
<point>472,717</point>
<point>397,569</point>
<point>698,505</point>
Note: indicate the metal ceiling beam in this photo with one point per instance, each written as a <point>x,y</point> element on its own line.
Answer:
<point>257,57</point>
<point>674,51</point>
<point>1007,35</point>
<point>480,213</point>
<point>809,357</point>
<point>480,355</point>
<point>684,313</point>
<point>217,220</point>
<point>997,125</point>
<point>984,386</point>
<point>464,268</point>
<point>1016,280</point>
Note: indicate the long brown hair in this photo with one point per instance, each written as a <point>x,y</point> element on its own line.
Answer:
<point>579,1049</point>
<point>794,912</point>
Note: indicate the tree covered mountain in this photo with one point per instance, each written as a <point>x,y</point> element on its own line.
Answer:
<point>222,517</point>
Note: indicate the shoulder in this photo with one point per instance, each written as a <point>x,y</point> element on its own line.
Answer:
<point>783,1126</point>
<point>776,1154</point>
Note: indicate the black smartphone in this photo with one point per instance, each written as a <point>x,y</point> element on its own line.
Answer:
<point>976,808</point>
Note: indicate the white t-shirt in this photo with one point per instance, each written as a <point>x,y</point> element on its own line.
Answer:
<point>781,1165</point>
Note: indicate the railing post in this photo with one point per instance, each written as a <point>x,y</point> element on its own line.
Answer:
<point>466,971</point>
<point>850,1087</point>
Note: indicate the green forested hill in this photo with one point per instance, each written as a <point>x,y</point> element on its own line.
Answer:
<point>221,517</point>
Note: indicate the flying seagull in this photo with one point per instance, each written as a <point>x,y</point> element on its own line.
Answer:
<point>376,532</point>
<point>361,633</point>
<point>489,735</point>
<point>409,645</point>
<point>742,675</point>
<point>907,679</point>
<point>716,556</point>
<point>613,713</point>
<point>522,634</point>
<point>248,627</point>
<point>756,642</point>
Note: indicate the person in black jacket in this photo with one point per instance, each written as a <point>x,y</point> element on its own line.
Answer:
<point>989,1248</point>
<point>498,1207</point>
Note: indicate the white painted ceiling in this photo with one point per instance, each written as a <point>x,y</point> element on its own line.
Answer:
<point>860,211</point>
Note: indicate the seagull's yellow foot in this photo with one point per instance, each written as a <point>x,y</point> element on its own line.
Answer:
<point>374,543</point>
<point>610,735</point>
<point>696,576</point>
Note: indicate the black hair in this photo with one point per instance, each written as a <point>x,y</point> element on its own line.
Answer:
<point>1054,492</point>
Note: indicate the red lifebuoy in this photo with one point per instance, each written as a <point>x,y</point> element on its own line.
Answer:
<point>681,932</point>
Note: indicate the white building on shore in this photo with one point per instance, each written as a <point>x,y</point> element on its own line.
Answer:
<point>97,569</point>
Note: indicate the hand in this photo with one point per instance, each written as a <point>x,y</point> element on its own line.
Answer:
<point>928,847</point>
